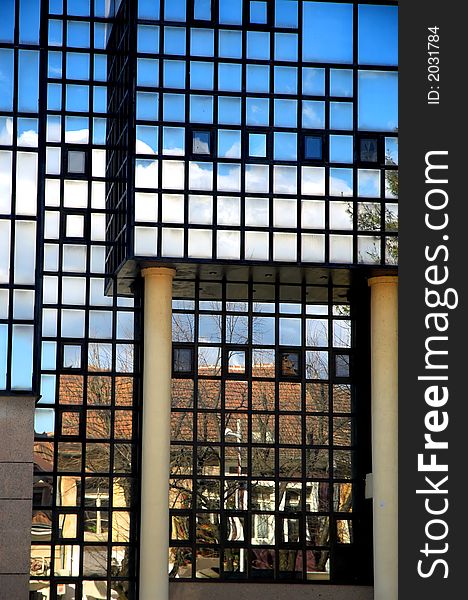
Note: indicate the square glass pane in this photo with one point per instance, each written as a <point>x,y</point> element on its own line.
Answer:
<point>285,146</point>
<point>290,364</point>
<point>327,35</point>
<point>201,109</point>
<point>341,148</point>
<point>76,162</point>
<point>258,13</point>
<point>174,141</point>
<point>313,114</point>
<point>201,75</point>
<point>341,83</point>
<point>258,45</point>
<point>257,145</point>
<point>201,142</point>
<point>202,10</point>
<point>230,12</point>
<point>229,77</point>
<point>368,150</point>
<point>230,44</point>
<point>369,183</point>
<point>201,42</point>
<point>378,100</point>
<point>229,143</point>
<point>341,115</point>
<point>182,361</point>
<point>285,113</point>
<point>313,147</point>
<point>229,111</point>
<point>286,80</point>
<point>258,111</point>
<point>286,46</point>
<point>258,78</point>
<point>174,74</point>
<point>286,13</point>
<point>341,182</point>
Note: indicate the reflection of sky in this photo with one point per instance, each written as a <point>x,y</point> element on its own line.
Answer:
<point>201,75</point>
<point>378,101</point>
<point>368,182</point>
<point>341,182</point>
<point>327,32</point>
<point>313,81</point>
<point>378,35</point>
<point>341,83</point>
<point>313,114</point>
<point>257,144</point>
<point>285,146</point>
<point>258,78</point>
<point>229,144</point>
<point>341,148</point>
<point>290,332</point>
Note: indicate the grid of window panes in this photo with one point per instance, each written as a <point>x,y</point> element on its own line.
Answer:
<point>19,131</point>
<point>84,503</point>
<point>264,484</point>
<point>266,131</point>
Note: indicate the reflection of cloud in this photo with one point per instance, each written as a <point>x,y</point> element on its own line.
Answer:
<point>229,178</point>
<point>234,151</point>
<point>6,132</point>
<point>313,181</point>
<point>313,115</point>
<point>142,147</point>
<point>78,136</point>
<point>256,178</point>
<point>200,176</point>
<point>146,173</point>
<point>202,147</point>
<point>285,180</point>
<point>228,244</point>
<point>340,187</point>
<point>369,183</point>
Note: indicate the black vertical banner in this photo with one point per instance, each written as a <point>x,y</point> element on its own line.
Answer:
<point>433,256</point>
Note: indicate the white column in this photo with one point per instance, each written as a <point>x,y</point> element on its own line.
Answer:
<point>384,382</point>
<point>154,536</point>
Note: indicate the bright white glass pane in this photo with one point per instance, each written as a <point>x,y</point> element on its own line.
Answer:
<point>228,244</point>
<point>256,245</point>
<point>341,249</point>
<point>146,207</point>
<point>173,174</point>
<point>50,290</point>
<point>5,181</point>
<point>228,212</point>
<point>172,208</point>
<point>284,180</point>
<point>74,258</point>
<point>173,242</point>
<point>341,182</point>
<point>146,241</point>
<point>49,322</point>
<point>23,304</point>
<point>312,247</point>
<point>201,176</point>
<point>75,226</point>
<point>284,213</point>
<point>200,210</point>
<point>257,211</point>
<point>313,214</point>
<point>75,194</point>
<point>199,243</point>
<point>285,246</point>
<point>52,192</point>
<point>146,173</point>
<point>73,290</point>
<point>313,181</point>
<point>341,215</point>
<point>25,252</point>
<point>368,249</point>
<point>229,177</point>
<point>53,161</point>
<point>100,324</point>
<point>256,178</point>
<point>369,183</point>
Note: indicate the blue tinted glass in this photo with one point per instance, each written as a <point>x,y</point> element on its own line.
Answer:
<point>77,98</point>
<point>230,77</point>
<point>99,131</point>
<point>28,81</point>
<point>6,77</point>
<point>258,12</point>
<point>258,110</point>
<point>230,44</point>
<point>202,10</point>
<point>285,80</point>
<point>77,65</point>
<point>174,107</point>
<point>174,10</point>
<point>257,145</point>
<point>174,141</point>
<point>313,114</point>
<point>286,13</point>
<point>201,109</point>
<point>229,111</point>
<point>78,8</point>
<point>286,46</point>
<point>148,39</point>
<point>28,21</point>
<point>174,73</point>
<point>341,182</point>
<point>378,101</point>
<point>146,139</point>
<point>100,99</point>
<point>54,62</point>
<point>101,7</point>
<point>313,147</point>
<point>378,35</point>
<point>7,22</point>
<point>341,148</point>
<point>327,32</point>
<point>147,72</point>
<point>341,115</point>
<point>258,45</point>
<point>230,12</point>
<point>148,9</point>
<point>285,146</point>
<point>100,67</point>
<point>258,78</point>
<point>56,7</point>
<point>201,75</point>
<point>147,106</point>
<point>78,34</point>
<point>202,42</point>
<point>341,83</point>
<point>229,144</point>
<point>55,33</point>
<point>100,36</point>
<point>174,40</point>
<point>313,81</point>
<point>285,113</point>
<point>54,96</point>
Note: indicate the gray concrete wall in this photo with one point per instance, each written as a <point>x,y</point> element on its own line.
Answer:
<point>16,487</point>
<point>271,591</point>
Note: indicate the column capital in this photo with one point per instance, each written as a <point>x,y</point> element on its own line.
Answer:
<point>383,279</point>
<point>158,272</point>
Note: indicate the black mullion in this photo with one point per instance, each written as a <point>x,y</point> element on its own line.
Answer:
<point>355,101</point>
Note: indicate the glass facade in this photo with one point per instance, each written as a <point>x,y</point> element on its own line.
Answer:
<point>254,146</point>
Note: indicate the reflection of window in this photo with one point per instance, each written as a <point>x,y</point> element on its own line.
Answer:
<point>201,142</point>
<point>368,150</point>
<point>290,364</point>
<point>313,147</point>
<point>182,360</point>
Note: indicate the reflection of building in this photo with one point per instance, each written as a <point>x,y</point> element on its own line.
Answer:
<point>229,166</point>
